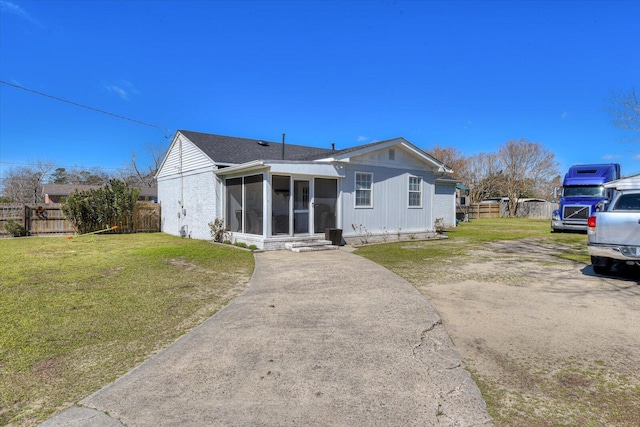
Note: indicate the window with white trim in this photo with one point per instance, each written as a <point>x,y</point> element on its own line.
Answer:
<point>364,190</point>
<point>415,192</point>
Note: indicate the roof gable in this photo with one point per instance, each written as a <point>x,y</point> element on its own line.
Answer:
<point>379,152</point>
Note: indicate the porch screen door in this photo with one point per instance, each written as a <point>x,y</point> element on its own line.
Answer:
<point>300,207</point>
<point>325,197</point>
<point>281,187</point>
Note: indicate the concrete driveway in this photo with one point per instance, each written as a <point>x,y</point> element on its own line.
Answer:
<point>319,338</point>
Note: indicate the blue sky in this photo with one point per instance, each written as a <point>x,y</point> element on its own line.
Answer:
<point>468,74</point>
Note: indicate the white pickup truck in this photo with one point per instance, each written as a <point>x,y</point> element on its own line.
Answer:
<point>614,233</point>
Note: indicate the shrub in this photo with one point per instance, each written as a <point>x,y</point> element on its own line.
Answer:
<point>102,208</point>
<point>15,228</point>
<point>253,247</point>
<point>217,230</point>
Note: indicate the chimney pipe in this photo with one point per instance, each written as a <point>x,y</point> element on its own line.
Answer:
<point>333,146</point>
<point>283,146</point>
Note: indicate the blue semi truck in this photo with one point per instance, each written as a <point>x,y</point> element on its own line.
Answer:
<point>582,189</point>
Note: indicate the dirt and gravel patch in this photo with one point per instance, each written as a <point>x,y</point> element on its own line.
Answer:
<point>548,341</point>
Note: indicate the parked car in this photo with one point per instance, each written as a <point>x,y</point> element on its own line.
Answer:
<point>614,233</point>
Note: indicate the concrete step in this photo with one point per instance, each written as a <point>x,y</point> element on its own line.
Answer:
<point>313,248</point>
<point>306,243</point>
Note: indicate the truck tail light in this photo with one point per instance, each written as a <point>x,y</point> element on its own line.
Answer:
<point>591,222</point>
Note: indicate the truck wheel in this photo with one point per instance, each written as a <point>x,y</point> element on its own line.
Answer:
<point>601,265</point>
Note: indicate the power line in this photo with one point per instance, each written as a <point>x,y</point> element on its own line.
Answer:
<point>165,130</point>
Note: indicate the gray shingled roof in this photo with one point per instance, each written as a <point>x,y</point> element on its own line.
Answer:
<point>233,150</point>
<point>347,150</point>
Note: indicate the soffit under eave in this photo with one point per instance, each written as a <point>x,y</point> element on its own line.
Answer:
<point>284,168</point>
<point>242,169</point>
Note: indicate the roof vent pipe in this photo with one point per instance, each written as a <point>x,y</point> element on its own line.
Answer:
<point>333,146</point>
<point>283,146</point>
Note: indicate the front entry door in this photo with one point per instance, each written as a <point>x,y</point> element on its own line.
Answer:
<point>325,200</point>
<point>300,207</point>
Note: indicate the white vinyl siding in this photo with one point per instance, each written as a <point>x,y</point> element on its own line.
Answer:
<point>184,157</point>
<point>389,212</point>
<point>415,192</point>
<point>364,190</point>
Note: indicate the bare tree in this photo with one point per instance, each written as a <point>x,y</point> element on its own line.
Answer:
<point>139,176</point>
<point>24,184</point>
<point>453,158</point>
<point>625,108</point>
<point>483,176</point>
<point>527,170</point>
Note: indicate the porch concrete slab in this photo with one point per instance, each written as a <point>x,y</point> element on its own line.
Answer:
<point>318,338</point>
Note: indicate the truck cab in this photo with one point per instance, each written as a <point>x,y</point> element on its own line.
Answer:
<point>582,189</point>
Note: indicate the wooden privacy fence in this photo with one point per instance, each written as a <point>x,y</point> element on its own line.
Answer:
<point>47,219</point>
<point>528,208</point>
<point>480,210</point>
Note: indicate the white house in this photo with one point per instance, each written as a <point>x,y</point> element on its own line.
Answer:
<point>270,193</point>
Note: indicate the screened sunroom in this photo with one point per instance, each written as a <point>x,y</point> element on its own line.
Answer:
<point>269,203</point>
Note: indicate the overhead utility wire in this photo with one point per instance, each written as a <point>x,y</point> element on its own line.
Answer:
<point>83,106</point>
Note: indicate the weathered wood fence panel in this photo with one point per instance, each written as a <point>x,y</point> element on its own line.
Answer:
<point>48,219</point>
<point>480,210</point>
<point>146,218</point>
<point>538,209</point>
<point>11,211</point>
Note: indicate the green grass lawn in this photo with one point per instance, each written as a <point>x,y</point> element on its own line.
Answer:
<point>78,313</point>
<point>468,235</point>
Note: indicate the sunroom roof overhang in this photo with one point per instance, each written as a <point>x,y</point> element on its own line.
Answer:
<point>285,168</point>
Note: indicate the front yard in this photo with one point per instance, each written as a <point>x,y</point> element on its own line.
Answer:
<point>78,313</point>
<point>547,341</point>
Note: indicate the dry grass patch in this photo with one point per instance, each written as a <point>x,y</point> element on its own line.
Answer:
<point>548,343</point>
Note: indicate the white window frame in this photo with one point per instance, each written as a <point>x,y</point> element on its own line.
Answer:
<point>410,191</point>
<point>355,190</point>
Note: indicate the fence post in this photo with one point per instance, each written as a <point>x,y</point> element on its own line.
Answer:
<point>25,220</point>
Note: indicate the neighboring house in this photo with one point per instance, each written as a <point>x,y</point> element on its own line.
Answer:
<point>628,183</point>
<point>55,193</point>
<point>270,193</point>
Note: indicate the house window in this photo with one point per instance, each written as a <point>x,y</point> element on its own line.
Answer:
<point>364,189</point>
<point>415,192</point>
